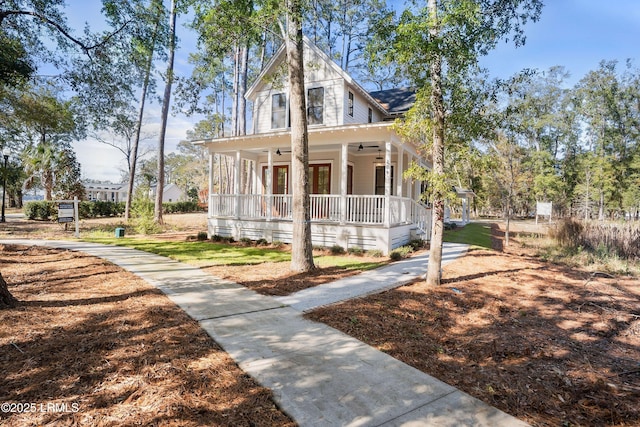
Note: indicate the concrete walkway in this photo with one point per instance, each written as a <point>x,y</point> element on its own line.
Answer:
<point>318,375</point>
<point>381,279</point>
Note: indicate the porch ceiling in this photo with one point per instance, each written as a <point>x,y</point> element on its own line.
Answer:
<point>320,138</point>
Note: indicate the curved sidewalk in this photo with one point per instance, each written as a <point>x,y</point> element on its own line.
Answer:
<point>318,375</point>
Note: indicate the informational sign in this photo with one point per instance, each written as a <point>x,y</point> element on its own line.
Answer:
<point>544,209</point>
<point>66,212</point>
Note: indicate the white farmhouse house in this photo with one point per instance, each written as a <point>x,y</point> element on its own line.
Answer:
<point>356,163</point>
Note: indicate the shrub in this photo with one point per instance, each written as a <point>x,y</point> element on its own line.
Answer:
<point>355,250</point>
<point>217,238</point>
<point>400,253</point>
<point>262,242</point>
<point>246,241</point>
<point>42,210</point>
<point>418,244</point>
<point>142,212</point>
<point>376,253</point>
<point>336,250</point>
<point>202,236</point>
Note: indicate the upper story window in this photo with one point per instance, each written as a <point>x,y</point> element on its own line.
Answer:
<point>315,106</point>
<point>370,115</point>
<point>278,111</point>
<point>350,105</point>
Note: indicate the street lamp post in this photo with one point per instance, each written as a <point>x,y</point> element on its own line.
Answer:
<point>5,154</point>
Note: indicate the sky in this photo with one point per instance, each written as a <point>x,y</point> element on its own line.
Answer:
<point>576,34</point>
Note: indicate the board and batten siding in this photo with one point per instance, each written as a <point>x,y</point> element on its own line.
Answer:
<point>332,105</point>
<point>361,107</point>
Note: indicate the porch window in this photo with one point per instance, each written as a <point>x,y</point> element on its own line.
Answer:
<point>280,178</point>
<point>350,105</point>
<point>320,178</point>
<point>379,191</point>
<point>278,111</point>
<point>315,109</point>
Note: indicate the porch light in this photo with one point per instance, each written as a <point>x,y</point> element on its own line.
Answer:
<point>278,152</point>
<point>360,147</point>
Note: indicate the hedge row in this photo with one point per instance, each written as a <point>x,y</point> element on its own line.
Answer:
<point>48,210</point>
<point>181,207</point>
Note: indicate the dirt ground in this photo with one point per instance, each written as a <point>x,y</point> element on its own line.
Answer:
<point>550,344</point>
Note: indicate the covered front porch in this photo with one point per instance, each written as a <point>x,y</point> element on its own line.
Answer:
<point>359,196</point>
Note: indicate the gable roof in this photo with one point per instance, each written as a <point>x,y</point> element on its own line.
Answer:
<point>280,56</point>
<point>396,101</point>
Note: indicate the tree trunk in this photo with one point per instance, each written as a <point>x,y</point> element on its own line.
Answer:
<point>136,142</point>
<point>236,95</point>
<point>434,274</point>
<point>242,89</point>
<point>6,299</point>
<point>165,114</point>
<point>301,248</point>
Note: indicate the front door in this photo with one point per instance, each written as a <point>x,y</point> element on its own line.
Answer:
<point>280,183</point>
<point>379,190</point>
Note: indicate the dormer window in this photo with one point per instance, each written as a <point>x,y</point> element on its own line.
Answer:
<point>350,105</point>
<point>278,111</point>
<point>315,108</point>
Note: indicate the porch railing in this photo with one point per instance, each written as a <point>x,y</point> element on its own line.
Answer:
<point>365,209</point>
<point>361,209</point>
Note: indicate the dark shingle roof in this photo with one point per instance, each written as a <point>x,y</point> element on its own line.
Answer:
<point>397,100</point>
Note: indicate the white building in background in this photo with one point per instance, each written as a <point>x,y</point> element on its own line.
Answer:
<point>106,191</point>
<point>171,193</point>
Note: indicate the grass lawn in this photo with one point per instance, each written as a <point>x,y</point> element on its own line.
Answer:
<point>474,233</point>
<point>200,253</point>
<point>208,253</point>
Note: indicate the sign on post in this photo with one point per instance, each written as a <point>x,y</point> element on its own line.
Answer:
<point>68,212</point>
<point>543,209</point>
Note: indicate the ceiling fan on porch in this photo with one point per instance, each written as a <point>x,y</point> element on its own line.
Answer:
<point>362,147</point>
<point>279,153</point>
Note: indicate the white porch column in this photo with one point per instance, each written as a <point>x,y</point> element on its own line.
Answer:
<point>400,173</point>
<point>269,185</point>
<point>416,185</point>
<point>343,183</point>
<point>387,183</point>
<point>236,183</point>
<point>254,178</point>
<point>400,184</point>
<point>211,184</point>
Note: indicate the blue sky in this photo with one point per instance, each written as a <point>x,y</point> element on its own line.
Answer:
<point>577,34</point>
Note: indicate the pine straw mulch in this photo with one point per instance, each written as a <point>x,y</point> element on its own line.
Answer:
<point>94,345</point>
<point>275,278</point>
<point>549,344</point>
